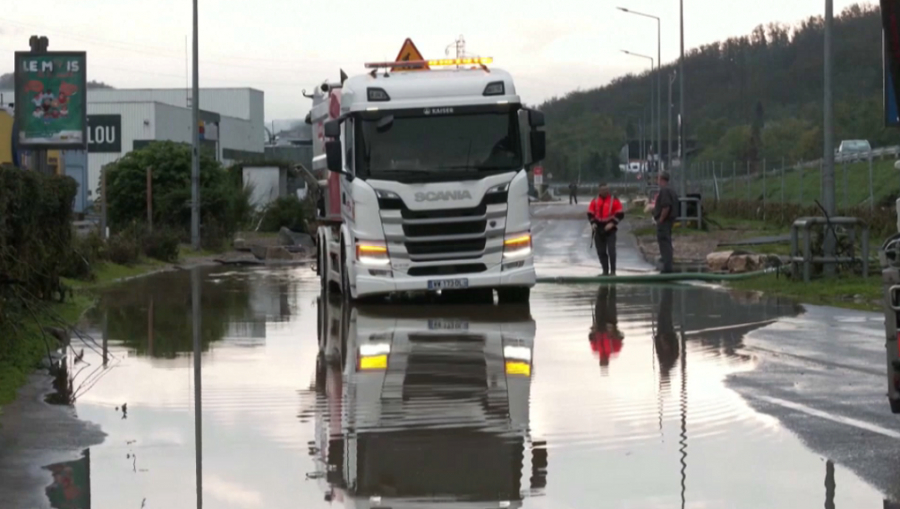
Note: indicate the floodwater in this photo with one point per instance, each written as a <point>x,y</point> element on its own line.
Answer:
<point>591,397</point>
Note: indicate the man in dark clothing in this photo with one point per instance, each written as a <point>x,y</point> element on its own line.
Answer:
<point>666,340</point>
<point>665,210</point>
<point>573,193</point>
<point>604,214</point>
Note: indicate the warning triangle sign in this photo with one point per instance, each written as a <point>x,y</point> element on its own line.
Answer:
<point>409,52</point>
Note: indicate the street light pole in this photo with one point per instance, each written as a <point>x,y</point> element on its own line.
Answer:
<point>681,130</point>
<point>650,136</point>
<point>195,141</point>
<point>658,75</point>
<point>828,142</point>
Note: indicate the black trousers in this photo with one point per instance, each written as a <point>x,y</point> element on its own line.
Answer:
<point>666,251</point>
<point>573,197</point>
<point>606,249</point>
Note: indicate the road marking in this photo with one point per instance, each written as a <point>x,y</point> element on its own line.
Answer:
<point>856,423</point>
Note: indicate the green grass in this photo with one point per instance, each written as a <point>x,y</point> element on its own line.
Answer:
<point>109,273</point>
<point>185,252</point>
<point>25,345</point>
<point>837,292</point>
<point>803,186</point>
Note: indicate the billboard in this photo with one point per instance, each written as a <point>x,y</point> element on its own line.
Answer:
<point>51,101</point>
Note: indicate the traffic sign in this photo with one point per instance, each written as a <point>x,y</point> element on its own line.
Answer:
<point>538,170</point>
<point>409,52</point>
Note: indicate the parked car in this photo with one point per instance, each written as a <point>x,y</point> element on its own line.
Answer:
<point>852,150</point>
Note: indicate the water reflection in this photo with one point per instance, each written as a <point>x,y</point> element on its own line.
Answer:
<point>422,405</point>
<point>665,340</point>
<point>71,485</point>
<point>605,337</point>
<point>152,315</point>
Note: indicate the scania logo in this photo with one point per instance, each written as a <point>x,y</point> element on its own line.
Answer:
<point>438,111</point>
<point>443,195</point>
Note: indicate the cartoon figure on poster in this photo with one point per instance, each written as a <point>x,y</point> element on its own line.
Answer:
<point>50,106</point>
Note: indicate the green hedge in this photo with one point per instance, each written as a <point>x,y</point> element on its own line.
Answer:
<point>35,243</point>
<point>35,228</point>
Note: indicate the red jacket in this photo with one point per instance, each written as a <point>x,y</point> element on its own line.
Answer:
<point>604,210</point>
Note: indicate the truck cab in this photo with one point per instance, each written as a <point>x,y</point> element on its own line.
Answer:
<point>425,406</point>
<point>428,184</point>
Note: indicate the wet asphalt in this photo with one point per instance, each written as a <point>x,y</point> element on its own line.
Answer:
<point>632,396</point>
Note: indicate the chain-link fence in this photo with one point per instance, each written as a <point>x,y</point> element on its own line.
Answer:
<point>866,180</point>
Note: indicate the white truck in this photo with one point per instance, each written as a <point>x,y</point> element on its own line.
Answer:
<point>425,406</point>
<point>890,270</point>
<point>427,186</point>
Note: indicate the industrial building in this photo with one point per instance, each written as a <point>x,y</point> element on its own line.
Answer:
<point>121,120</point>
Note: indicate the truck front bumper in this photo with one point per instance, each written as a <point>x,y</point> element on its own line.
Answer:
<point>367,285</point>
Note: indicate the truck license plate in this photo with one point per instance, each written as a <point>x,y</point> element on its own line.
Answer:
<point>448,325</point>
<point>448,284</point>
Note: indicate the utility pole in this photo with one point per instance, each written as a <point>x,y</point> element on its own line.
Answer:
<point>828,142</point>
<point>658,94</point>
<point>681,125</point>
<point>669,141</point>
<point>195,137</point>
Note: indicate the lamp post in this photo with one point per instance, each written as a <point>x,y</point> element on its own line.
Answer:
<point>658,74</point>
<point>638,55</point>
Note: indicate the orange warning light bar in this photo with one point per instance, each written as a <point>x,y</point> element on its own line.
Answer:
<point>415,64</point>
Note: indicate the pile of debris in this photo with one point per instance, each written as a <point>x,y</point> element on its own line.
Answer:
<point>736,262</point>
<point>288,247</point>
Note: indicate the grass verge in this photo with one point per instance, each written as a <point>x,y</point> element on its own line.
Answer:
<point>24,345</point>
<point>845,292</point>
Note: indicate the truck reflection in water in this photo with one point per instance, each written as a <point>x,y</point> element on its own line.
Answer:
<point>426,406</point>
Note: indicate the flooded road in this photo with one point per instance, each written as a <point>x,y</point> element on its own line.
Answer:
<point>593,397</point>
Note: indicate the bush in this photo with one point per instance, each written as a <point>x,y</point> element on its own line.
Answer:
<point>35,229</point>
<point>126,185</point>
<point>87,252</point>
<point>123,249</point>
<point>287,211</point>
<point>162,245</point>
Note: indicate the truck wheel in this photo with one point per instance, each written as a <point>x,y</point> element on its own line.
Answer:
<point>895,406</point>
<point>322,264</point>
<point>513,294</point>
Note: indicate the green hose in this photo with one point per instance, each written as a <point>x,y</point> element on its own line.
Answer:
<point>654,278</point>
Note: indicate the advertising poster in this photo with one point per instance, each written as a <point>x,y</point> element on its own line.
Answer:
<point>51,109</point>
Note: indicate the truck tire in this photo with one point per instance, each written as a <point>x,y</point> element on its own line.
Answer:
<point>345,278</point>
<point>513,294</point>
<point>322,265</point>
<point>895,406</point>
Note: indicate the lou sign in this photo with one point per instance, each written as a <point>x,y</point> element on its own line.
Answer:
<point>104,133</point>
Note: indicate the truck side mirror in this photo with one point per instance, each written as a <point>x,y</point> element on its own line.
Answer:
<point>538,145</point>
<point>333,156</point>
<point>535,119</point>
<point>332,129</point>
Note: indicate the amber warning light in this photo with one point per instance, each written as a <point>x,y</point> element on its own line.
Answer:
<point>416,64</point>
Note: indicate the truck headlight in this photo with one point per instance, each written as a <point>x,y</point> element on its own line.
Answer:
<point>502,188</point>
<point>517,245</point>
<point>371,253</point>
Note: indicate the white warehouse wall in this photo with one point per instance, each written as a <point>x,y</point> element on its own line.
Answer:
<point>138,120</point>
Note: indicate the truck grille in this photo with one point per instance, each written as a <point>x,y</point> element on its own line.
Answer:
<point>451,248</point>
<point>444,234</point>
<point>447,270</point>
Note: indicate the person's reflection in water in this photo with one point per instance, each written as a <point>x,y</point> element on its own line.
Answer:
<point>666,341</point>
<point>605,336</point>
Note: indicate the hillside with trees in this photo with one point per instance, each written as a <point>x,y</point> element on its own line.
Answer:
<point>747,98</point>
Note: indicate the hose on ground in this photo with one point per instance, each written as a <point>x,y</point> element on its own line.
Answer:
<point>655,278</point>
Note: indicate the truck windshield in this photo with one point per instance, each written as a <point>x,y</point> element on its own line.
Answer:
<point>391,147</point>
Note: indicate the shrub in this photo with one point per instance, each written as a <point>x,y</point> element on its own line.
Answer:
<point>162,245</point>
<point>287,211</point>
<point>87,252</point>
<point>123,249</point>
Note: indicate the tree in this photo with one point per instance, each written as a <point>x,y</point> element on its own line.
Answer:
<point>224,205</point>
<point>615,170</point>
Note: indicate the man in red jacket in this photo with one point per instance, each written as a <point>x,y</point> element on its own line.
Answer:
<point>604,214</point>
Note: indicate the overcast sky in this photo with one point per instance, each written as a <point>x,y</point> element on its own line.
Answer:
<point>284,46</point>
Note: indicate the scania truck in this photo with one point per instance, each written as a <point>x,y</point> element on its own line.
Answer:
<point>427,183</point>
<point>425,406</point>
